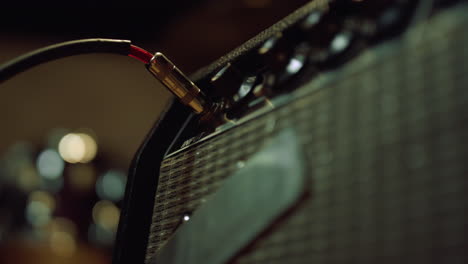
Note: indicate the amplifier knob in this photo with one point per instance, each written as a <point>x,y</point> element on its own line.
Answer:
<point>226,82</point>
<point>276,52</point>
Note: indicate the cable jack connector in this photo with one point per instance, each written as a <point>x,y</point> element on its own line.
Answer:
<point>179,84</point>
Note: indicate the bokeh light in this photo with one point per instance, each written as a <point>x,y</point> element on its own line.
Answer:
<point>77,147</point>
<point>37,213</point>
<point>31,166</point>
<point>27,178</point>
<point>39,208</point>
<point>106,215</point>
<point>340,42</point>
<point>106,219</point>
<point>62,237</point>
<point>49,164</point>
<point>295,64</point>
<point>111,185</point>
<point>62,243</point>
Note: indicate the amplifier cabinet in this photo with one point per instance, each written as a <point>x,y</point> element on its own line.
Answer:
<point>381,132</point>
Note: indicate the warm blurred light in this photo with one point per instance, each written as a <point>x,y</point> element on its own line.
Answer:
<point>49,164</point>
<point>39,208</point>
<point>106,215</point>
<point>82,177</point>
<point>77,147</point>
<point>61,236</point>
<point>72,148</point>
<point>27,178</point>
<point>106,219</point>
<point>62,243</point>
<point>90,147</point>
<point>44,198</point>
<point>111,185</point>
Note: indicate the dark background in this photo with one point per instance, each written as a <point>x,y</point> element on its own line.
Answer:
<point>112,96</point>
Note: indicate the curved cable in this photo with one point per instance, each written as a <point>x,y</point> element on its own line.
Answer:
<point>70,48</point>
<point>140,54</point>
<point>160,66</point>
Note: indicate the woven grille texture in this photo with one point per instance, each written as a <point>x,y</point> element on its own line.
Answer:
<point>386,144</point>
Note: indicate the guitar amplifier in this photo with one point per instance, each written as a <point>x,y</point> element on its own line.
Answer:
<point>340,137</point>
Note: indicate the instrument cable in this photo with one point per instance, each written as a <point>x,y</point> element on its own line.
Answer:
<point>163,69</point>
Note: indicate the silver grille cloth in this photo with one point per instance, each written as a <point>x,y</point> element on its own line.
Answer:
<point>386,144</point>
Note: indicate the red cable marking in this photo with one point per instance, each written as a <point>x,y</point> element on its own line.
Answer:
<point>140,54</point>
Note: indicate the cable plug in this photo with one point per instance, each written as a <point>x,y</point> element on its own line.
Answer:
<point>179,84</point>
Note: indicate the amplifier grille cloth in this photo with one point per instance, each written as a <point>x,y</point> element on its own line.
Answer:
<point>387,148</point>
